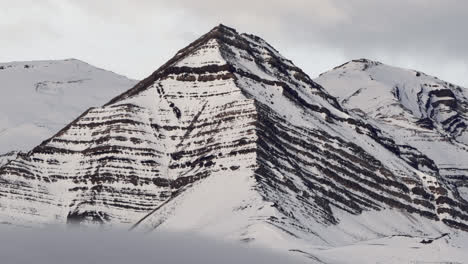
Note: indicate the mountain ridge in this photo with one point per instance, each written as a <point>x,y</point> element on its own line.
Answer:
<point>230,138</point>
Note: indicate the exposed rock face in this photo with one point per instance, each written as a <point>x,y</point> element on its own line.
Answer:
<point>228,135</point>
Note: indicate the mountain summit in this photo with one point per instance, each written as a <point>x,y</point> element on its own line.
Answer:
<point>229,138</point>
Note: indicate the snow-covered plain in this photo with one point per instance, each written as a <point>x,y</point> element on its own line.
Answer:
<point>449,249</point>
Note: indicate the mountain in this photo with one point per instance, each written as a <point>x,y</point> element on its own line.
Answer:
<point>44,96</point>
<point>415,109</point>
<point>230,139</point>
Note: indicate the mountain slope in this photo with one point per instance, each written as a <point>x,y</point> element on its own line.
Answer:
<point>382,91</point>
<point>41,97</point>
<point>415,109</point>
<point>229,138</point>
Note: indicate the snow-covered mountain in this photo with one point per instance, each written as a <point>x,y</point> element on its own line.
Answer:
<point>231,139</point>
<point>41,97</point>
<point>413,108</point>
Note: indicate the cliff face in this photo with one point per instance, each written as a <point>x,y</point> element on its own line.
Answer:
<point>231,138</point>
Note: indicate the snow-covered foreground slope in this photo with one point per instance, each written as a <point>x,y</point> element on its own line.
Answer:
<point>230,139</point>
<point>444,249</point>
<point>38,98</point>
<point>413,108</point>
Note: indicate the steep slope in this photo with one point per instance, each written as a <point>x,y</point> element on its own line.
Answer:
<point>229,138</point>
<point>415,109</point>
<point>41,97</point>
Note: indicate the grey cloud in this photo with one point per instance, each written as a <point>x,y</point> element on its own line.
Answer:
<point>317,34</point>
<point>396,26</point>
<point>418,28</point>
<point>351,25</point>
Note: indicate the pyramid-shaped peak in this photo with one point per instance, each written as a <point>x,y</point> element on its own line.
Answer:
<point>224,29</point>
<point>219,32</point>
<point>223,50</point>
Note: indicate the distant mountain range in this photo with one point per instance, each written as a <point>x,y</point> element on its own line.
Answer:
<point>232,140</point>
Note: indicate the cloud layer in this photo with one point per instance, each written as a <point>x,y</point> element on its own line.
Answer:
<point>135,37</point>
<point>55,246</point>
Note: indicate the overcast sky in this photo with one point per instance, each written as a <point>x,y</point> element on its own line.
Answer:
<point>134,37</point>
